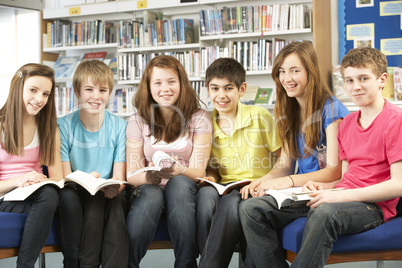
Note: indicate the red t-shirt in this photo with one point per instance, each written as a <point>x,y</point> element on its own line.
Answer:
<point>371,151</point>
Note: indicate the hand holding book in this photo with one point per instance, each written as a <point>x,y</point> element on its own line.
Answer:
<point>86,180</point>
<point>160,160</point>
<point>294,197</point>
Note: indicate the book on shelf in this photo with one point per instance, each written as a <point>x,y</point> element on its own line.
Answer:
<point>64,66</point>
<point>338,85</point>
<point>204,97</point>
<point>185,31</point>
<point>122,103</point>
<point>160,160</point>
<point>397,83</point>
<point>249,95</point>
<point>86,180</point>
<point>225,189</point>
<point>95,56</point>
<point>258,18</point>
<point>112,63</point>
<point>264,96</point>
<point>65,100</point>
<point>63,33</point>
<point>292,197</point>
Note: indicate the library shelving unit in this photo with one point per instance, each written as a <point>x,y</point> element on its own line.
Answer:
<point>318,32</point>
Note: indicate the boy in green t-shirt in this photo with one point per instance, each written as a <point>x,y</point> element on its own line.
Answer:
<point>244,139</point>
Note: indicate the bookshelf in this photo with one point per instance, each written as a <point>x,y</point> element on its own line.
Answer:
<point>319,32</point>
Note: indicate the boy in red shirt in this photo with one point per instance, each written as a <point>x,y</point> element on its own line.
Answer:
<point>370,149</point>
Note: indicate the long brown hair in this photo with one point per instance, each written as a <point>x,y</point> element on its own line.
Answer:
<point>287,110</point>
<point>12,113</point>
<point>187,104</point>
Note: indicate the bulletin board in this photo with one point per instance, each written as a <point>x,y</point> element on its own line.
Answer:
<point>372,23</point>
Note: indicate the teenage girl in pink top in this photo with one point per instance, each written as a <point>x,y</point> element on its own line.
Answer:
<point>169,119</point>
<point>30,139</point>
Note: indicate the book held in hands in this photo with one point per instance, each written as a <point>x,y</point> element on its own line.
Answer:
<point>160,160</point>
<point>86,180</point>
<point>225,189</point>
<point>292,197</point>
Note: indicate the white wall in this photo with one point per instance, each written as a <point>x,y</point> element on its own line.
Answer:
<point>21,45</point>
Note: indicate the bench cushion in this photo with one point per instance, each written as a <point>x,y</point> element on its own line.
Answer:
<point>12,226</point>
<point>384,237</point>
<point>162,233</point>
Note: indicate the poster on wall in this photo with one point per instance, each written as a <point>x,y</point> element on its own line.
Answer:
<point>371,23</point>
<point>364,3</point>
<point>392,46</point>
<point>361,34</point>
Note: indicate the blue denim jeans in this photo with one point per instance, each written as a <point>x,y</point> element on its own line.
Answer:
<point>40,207</point>
<point>206,201</point>
<point>219,227</point>
<point>327,222</point>
<point>92,228</point>
<point>147,204</point>
<point>262,220</point>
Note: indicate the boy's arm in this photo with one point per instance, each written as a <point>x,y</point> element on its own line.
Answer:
<point>66,168</point>
<point>385,190</point>
<point>212,174</point>
<point>119,169</point>
<point>276,178</point>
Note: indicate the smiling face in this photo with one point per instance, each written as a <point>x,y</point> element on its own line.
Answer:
<point>93,98</point>
<point>362,85</point>
<point>293,76</point>
<point>165,86</point>
<point>36,93</point>
<point>225,96</point>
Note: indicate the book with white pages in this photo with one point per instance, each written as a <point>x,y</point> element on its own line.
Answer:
<point>293,197</point>
<point>225,189</point>
<point>86,180</point>
<point>159,158</point>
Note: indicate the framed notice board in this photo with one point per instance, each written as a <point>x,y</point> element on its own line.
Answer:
<point>372,23</point>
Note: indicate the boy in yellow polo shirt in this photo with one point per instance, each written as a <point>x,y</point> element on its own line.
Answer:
<point>244,139</point>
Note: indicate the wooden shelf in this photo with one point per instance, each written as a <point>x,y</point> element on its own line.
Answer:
<point>256,34</point>
<point>160,48</point>
<point>83,47</point>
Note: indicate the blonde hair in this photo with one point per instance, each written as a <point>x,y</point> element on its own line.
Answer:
<point>97,70</point>
<point>12,113</point>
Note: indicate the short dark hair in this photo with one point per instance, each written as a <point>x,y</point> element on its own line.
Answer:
<point>227,68</point>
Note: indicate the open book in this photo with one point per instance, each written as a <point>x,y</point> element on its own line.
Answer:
<point>86,180</point>
<point>160,160</point>
<point>292,197</point>
<point>225,189</point>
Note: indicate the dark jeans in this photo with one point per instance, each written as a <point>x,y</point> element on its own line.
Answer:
<point>219,228</point>
<point>262,220</point>
<point>93,229</point>
<point>147,204</point>
<point>40,207</point>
